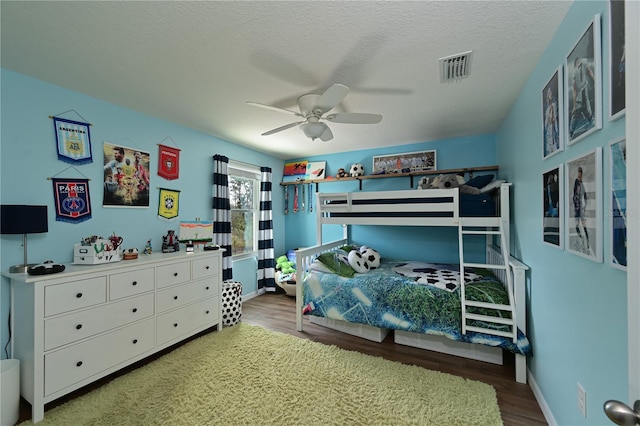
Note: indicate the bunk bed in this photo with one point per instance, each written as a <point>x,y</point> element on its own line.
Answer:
<point>485,326</point>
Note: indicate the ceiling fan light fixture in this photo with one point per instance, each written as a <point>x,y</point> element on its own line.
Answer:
<point>313,129</point>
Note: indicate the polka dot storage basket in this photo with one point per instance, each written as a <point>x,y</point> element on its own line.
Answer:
<point>231,303</point>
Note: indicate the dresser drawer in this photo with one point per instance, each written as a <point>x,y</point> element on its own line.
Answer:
<point>129,283</point>
<point>86,323</point>
<point>174,273</point>
<point>74,295</point>
<point>202,268</point>
<point>78,362</point>
<point>177,296</point>
<point>174,324</point>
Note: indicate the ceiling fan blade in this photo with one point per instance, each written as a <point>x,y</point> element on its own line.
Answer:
<point>326,135</point>
<point>272,108</point>
<point>281,128</point>
<point>354,118</point>
<point>331,97</point>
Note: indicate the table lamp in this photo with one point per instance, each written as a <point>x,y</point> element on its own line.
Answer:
<point>22,219</point>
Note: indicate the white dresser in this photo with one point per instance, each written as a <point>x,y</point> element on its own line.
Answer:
<point>74,327</point>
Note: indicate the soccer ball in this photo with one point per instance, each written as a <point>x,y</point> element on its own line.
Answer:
<point>356,169</point>
<point>372,257</point>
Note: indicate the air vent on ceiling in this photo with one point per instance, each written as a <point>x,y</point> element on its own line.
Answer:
<point>455,67</point>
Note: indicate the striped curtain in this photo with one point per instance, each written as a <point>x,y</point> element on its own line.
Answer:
<point>222,212</point>
<point>266,262</point>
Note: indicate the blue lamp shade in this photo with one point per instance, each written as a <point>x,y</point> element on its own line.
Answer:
<point>23,219</point>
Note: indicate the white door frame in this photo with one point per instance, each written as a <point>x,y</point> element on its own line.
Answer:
<point>632,115</point>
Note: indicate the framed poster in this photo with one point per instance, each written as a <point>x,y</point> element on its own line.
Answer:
<point>552,116</point>
<point>617,103</point>
<point>618,200</point>
<point>553,207</point>
<point>315,170</point>
<point>419,161</point>
<point>583,85</point>
<point>583,206</point>
<point>126,176</point>
<point>295,171</point>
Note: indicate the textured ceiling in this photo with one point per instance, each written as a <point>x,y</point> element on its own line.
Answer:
<point>197,63</point>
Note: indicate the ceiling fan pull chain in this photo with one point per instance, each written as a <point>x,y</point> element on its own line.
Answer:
<point>295,198</point>
<point>286,199</point>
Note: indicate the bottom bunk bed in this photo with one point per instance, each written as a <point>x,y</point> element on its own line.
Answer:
<point>424,315</point>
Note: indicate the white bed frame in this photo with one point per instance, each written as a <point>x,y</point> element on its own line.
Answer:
<point>417,208</point>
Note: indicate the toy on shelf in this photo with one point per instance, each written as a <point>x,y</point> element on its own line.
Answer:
<point>170,242</point>
<point>147,248</point>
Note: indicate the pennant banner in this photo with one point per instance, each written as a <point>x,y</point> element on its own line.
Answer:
<point>168,203</point>
<point>73,140</point>
<point>168,162</point>
<point>72,200</point>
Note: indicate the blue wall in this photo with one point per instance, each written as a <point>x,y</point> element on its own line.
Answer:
<point>434,244</point>
<point>28,156</point>
<point>578,308</point>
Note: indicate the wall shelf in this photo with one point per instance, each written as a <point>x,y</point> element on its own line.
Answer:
<point>469,170</point>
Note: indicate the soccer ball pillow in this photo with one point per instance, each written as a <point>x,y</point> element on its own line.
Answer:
<point>364,260</point>
<point>356,169</point>
<point>434,275</point>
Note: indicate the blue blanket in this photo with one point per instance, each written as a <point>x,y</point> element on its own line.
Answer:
<point>384,298</point>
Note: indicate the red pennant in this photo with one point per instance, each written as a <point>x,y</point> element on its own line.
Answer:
<point>168,162</point>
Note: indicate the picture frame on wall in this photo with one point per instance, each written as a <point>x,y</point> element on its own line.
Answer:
<point>583,85</point>
<point>618,200</point>
<point>552,116</point>
<point>617,62</point>
<point>407,162</point>
<point>553,206</point>
<point>583,205</point>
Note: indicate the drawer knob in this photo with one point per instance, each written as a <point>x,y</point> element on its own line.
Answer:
<point>175,324</point>
<point>78,295</point>
<point>134,310</point>
<point>175,297</point>
<point>78,364</point>
<point>134,283</point>
<point>206,288</point>
<point>135,341</point>
<point>206,267</point>
<point>175,274</point>
<point>207,312</point>
<point>78,327</point>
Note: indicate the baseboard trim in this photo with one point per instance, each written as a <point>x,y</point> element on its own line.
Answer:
<point>546,411</point>
<point>253,294</point>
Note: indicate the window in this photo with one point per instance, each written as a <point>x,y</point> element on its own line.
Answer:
<point>244,198</point>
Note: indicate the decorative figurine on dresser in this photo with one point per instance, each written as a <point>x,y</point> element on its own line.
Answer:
<point>87,321</point>
<point>170,242</point>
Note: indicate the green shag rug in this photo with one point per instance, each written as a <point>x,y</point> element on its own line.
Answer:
<point>246,375</point>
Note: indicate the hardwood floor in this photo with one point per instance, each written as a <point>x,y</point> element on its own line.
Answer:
<point>517,403</point>
<point>277,312</point>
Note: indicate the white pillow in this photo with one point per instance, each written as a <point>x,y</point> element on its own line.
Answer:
<point>492,185</point>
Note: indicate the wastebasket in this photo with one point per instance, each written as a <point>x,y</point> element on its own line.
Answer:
<point>231,302</point>
<point>9,391</point>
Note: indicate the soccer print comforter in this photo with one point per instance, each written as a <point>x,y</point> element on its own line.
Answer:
<point>410,296</point>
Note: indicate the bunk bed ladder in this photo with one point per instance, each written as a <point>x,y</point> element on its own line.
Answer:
<point>504,314</point>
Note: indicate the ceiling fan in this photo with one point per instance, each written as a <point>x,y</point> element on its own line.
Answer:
<point>313,108</point>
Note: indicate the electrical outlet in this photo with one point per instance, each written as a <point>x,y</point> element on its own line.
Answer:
<point>582,400</point>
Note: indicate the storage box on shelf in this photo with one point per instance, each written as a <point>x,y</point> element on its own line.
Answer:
<point>89,321</point>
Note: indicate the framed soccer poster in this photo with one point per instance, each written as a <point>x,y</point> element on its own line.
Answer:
<point>617,60</point>
<point>126,177</point>
<point>583,84</point>
<point>583,206</point>
<point>552,116</point>
<point>618,200</point>
<point>553,207</point>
